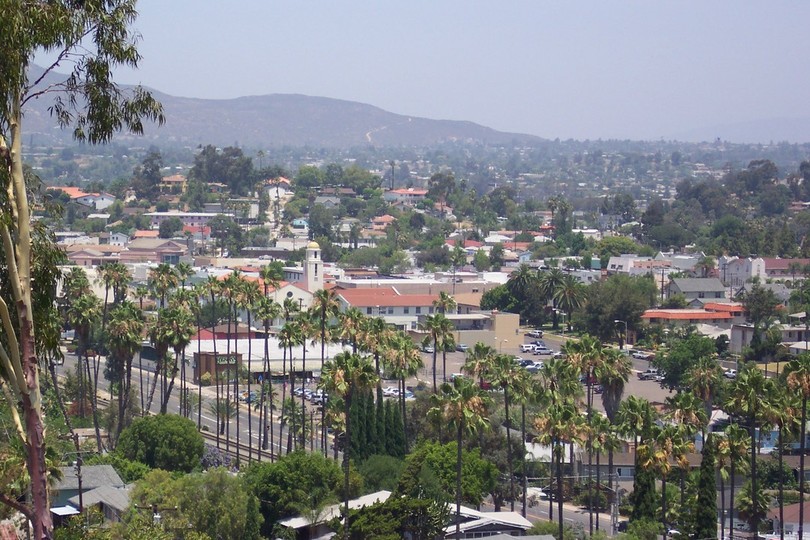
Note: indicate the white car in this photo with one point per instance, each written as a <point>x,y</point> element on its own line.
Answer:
<point>526,347</point>
<point>730,374</point>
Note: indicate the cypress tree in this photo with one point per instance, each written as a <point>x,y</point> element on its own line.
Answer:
<point>358,431</point>
<point>395,439</point>
<point>379,417</point>
<point>705,514</point>
<point>371,426</point>
<point>645,502</point>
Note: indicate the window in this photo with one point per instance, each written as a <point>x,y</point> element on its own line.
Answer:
<point>368,311</point>
<point>316,270</point>
<point>407,310</point>
<point>390,311</point>
<point>418,310</point>
<point>430,310</point>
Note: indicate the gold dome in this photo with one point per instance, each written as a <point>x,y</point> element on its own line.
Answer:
<point>313,245</point>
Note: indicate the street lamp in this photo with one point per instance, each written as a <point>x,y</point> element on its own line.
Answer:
<point>500,347</point>
<point>617,321</point>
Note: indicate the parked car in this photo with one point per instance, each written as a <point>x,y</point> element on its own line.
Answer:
<point>526,347</point>
<point>535,333</point>
<point>649,375</point>
<point>559,356</point>
<point>461,347</point>
<point>641,355</point>
<point>390,391</point>
<point>427,348</point>
<point>730,374</point>
<point>543,350</point>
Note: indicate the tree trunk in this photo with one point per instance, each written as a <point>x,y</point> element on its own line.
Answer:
<point>598,488</point>
<point>664,501</point>
<point>509,450</point>
<point>404,420</point>
<point>283,397</point>
<point>346,451</point>
<point>435,386</point>
<point>722,508</point>
<point>560,492</point>
<point>731,500</point>
<point>614,488</point>
<point>523,446</point>
<point>93,402</point>
<point>303,393</point>
<point>756,517</point>
<point>459,432</point>
<point>802,447</point>
<point>551,479</point>
<point>782,490</point>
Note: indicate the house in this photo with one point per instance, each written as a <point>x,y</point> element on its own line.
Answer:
<point>380,223</point>
<point>409,196</point>
<point>305,527</point>
<point>475,524</point>
<point>175,184</point>
<point>736,272</point>
<point>157,250</point>
<point>97,201</point>
<point>92,477</point>
<point>794,336</point>
<point>327,202</point>
<point>400,310</point>
<point>111,501</point>
<point>118,239</point>
<point>783,269</point>
<point>696,288</point>
<point>686,317</point>
<point>791,512</point>
<point>193,219</point>
<point>92,255</point>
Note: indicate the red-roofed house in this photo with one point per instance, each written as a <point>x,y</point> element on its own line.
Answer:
<point>785,268</point>
<point>380,223</point>
<point>683,317</point>
<point>145,234</point>
<point>400,310</point>
<point>405,195</point>
<point>99,201</point>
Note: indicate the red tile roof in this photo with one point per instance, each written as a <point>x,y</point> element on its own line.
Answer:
<point>734,307</point>
<point>684,314</point>
<point>385,297</point>
<point>784,264</point>
<point>146,234</point>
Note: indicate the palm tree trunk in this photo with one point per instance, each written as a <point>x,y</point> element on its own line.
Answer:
<point>236,387</point>
<point>91,384</point>
<point>227,382</point>
<point>664,500</point>
<point>459,432</point>
<point>598,488</point>
<point>346,450</point>
<point>722,508</point>
<point>444,367</point>
<point>283,397</point>
<point>303,394</point>
<point>249,400</point>
<point>199,375</point>
<point>731,499</point>
<point>551,479</point>
<point>782,490</point>
<point>614,486</point>
<point>802,446</point>
<point>560,490</point>
<point>404,420</point>
<point>509,449</point>
<point>523,446</point>
<point>756,517</point>
<point>435,386</point>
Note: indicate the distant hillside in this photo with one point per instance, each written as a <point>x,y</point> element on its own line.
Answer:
<point>283,120</point>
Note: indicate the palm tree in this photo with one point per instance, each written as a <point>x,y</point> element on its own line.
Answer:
<point>267,310</point>
<point>602,437</point>
<point>798,380</point>
<point>345,376</point>
<point>213,287</point>
<point>307,330</point>
<point>704,380</point>
<point>403,360</point>
<point>685,409</point>
<point>445,340</point>
<point>247,298</point>
<point>162,279</point>
<point>464,406</point>
<point>722,455</point>
<point>82,314</point>
<point>325,307</point>
<point>738,440</point>
<point>124,335</point>
<point>437,326</point>
<point>569,296</point>
<point>522,281</point>
<point>549,282</point>
<point>350,326</point>
<point>746,400</point>
<point>479,362</point>
<point>287,338</point>
<point>636,417</point>
<point>559,424</point>
<point>445,303</point>
<point>506,375</point>
<point>224,410</point>
<point>180,328</point>
<point>782,412</point>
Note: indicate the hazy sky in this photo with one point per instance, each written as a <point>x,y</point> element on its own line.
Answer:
<point>569,69</point>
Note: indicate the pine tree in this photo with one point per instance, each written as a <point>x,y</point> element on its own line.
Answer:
<point>705,515</point>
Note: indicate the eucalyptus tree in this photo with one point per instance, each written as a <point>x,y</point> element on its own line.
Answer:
<point>463,406</point>
<point>345,376</point>
<point>95,37</point>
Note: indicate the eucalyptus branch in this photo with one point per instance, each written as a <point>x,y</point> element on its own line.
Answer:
<point>16,505</point>
<point>14,361</point>
<point>15,414</point>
